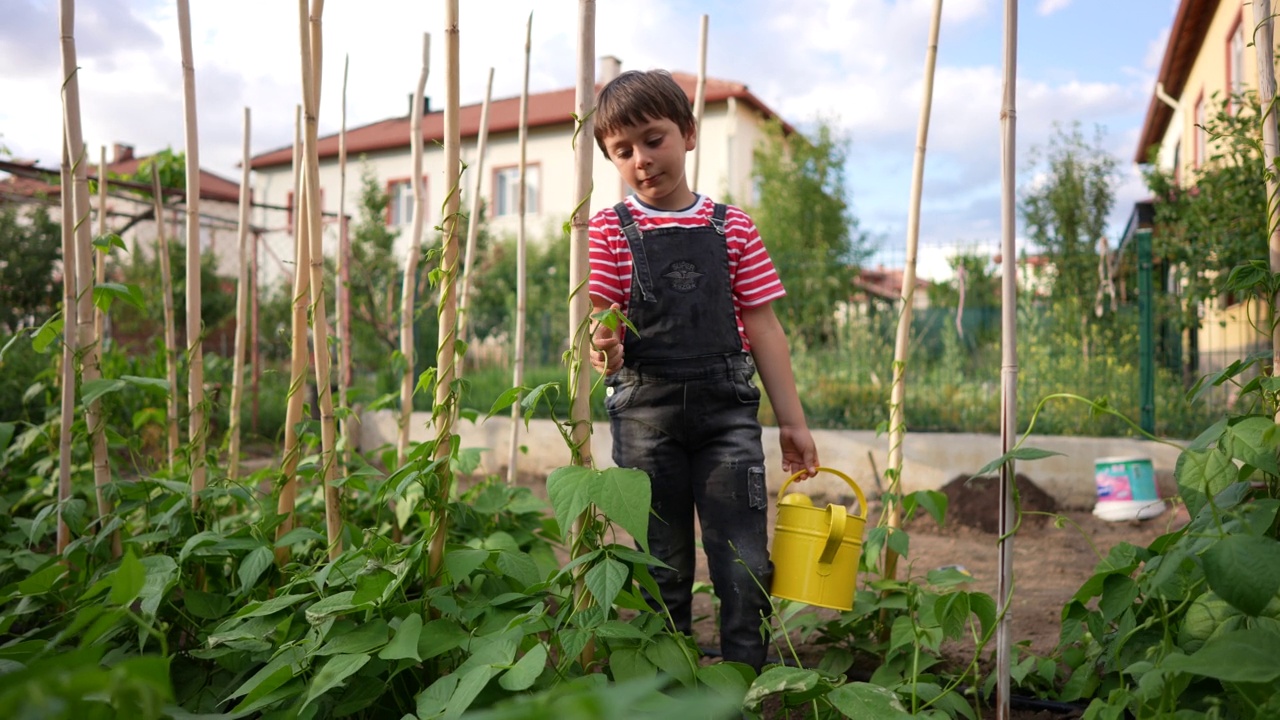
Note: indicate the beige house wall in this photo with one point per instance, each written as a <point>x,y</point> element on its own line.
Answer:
<point>1207,82</point>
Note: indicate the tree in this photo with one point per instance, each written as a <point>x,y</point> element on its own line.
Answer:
<point>375,272</point>
<point>1219,222</point>
<point>1064,210</point>
<point>804,217</point>
<point>30,248</point>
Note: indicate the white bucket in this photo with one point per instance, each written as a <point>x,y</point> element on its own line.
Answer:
<point>1126,489</point>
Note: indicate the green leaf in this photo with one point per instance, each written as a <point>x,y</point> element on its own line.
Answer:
<point>461,562</point>
<point>1244,656</point>
<point>6,435</point>
<point>900,542</point>
<point>782,679</point>
<point>522,675</point>
<point>148,383</point>
<point>335,604</point>
<point>1118,594</point>
<point>984,607</point>
<point>252,567</point>
<point>952,611</point>
<point>272,606</point>
<point>371,586</point>
<point>605,581</point>
<point>106,293</point>
<point>299,535</point>
<point>624,496</point>
<point>671,656</point>
<point>1026,453</point>
<point>864,700</point>
<point>627,663</point>
<point>439,637</point>
<point>404,644</point>
<point>364,638</point>
<point>162,575</point>
<point>127,580</point>
<point>47,334</point>
<point>1244,570</point>
<point>279,670</point>
<point>520,567</point>
<point>569,490</point>
<point>93,390</point>
<point>108,241</point>
<point>205,605</point>
<point>1253,440</point>
<point>1201,475</point>
<point>334,672</point>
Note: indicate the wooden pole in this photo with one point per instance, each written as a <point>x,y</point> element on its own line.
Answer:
<point>68,338</point>
<point>254,353</point>
<point>409,284</point>
<point>522,269</point>
<point>298,352</point>
<point>1264,44</point>
<point>242,311</point>
<point>579,303</point>
<point>170,327</point>
<point>1009,358</point>
<point>342,288</point>
<point>80,262</point>
<point>100,254</point>
<point>473,216</point>
<point>312,52</point>
<point>196,428</point>
<point>699,98</point>
<point>101,458</point>
<point>902,344</point>
<point>446,353</point>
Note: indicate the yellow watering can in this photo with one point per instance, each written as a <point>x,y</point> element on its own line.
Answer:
<point>816,551</point>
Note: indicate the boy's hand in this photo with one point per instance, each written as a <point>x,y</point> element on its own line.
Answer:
<point>799,453</point>
<point>606,357</point>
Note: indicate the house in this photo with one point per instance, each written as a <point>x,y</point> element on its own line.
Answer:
<point>132,216</point>
<point>1209,57</point>
<point>732,125</point>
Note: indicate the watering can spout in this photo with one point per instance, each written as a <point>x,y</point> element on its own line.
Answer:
<point>816,550</point>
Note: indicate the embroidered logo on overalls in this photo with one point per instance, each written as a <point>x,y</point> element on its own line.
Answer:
<point>682,276</point>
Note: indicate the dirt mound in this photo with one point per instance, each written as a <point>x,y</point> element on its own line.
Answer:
<point>975,501</point>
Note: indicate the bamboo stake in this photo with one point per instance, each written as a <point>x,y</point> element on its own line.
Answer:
<point>101,461</point>
<point>1009,358</point>
<point>699,98</point>
<point>1264,45</point>
<point>253,301</point>
<point>312,51</point>
<point>409,285</point>
<point>298,353</point>
<point>522,270</point>
<point>196,428</point>
<point>473,217</point>
<point>342,289</point>
<point>100,254</point>
<point>901,348</point>
<point>82,261</point>
<point>446,351</point>
<point>242,312</point>
<point>170,331</point>
<point>579,303</point>
<point>68,342</point>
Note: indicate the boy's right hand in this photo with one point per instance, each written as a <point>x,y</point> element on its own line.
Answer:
<point>606,356</point>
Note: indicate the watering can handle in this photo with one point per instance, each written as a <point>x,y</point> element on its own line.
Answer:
<point>857,491</point>
<point>835,534</point>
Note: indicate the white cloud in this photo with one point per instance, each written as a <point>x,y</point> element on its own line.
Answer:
<point>1049,7</point>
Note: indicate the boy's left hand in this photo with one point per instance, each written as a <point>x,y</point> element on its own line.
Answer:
<point>799,452</point>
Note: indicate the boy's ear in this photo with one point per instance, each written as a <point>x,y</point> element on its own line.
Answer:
<point>691,138</point>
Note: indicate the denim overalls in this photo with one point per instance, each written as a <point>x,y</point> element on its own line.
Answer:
<point>683,408</point>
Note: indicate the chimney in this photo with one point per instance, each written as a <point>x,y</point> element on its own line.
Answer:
<point>121,152</point>
<point>426,104</point>
<point>610,67</point>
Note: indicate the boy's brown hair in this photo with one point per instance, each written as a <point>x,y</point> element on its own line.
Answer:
<point>637,96</point>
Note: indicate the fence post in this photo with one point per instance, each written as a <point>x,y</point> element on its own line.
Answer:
<point>1146,333</point>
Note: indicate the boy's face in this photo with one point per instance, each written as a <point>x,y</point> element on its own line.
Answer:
<point>650,159</point>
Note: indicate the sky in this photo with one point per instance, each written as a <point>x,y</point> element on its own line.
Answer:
<point>856,64</point>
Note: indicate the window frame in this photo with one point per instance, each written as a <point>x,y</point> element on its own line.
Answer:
<point>407,182</point>
<point>533,190</point>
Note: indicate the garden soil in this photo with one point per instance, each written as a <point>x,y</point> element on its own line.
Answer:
<point>1055,551</point>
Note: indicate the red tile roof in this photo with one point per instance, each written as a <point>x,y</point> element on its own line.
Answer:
<point>1190,26</point>
<point>26,181</point>
<point>545,109</point>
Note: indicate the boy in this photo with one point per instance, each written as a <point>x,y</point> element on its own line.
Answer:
<point>695,280</point>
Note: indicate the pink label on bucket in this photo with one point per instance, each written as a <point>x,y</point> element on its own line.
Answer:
<point>1113,487</point>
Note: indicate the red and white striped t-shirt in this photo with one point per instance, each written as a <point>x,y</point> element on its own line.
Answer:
<point>752,276</point>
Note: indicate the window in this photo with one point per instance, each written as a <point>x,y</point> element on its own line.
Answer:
<point>400,209</point>
<point>506,188</point>
<point>1235,61</point>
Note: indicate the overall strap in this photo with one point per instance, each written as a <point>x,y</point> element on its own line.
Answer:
<point>639,261</point>
<point>717,217</point>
